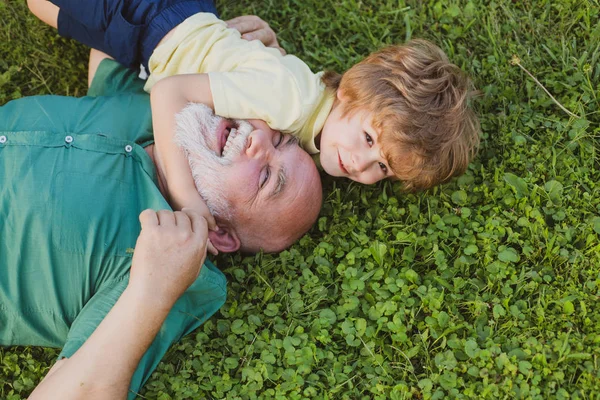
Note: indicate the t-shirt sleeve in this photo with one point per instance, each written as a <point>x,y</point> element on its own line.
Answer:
<point>91,315</point>
<point>202,299</point>
<point>270,94</point>
<point>113,78</point>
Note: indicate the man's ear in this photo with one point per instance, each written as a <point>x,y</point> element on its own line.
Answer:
<point>225,239</point>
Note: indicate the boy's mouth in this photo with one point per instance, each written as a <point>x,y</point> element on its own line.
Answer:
<point>341,163</point>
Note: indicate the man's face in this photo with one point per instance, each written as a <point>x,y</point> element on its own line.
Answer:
<point>259,183</point>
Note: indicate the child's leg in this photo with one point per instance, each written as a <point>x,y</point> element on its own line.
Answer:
<point>127,30</point>
<point>53,15</point>
<point>96,58</point>
<point>99,24</point>
<point>45,11</point>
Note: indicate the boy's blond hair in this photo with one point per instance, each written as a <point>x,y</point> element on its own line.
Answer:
<point>420,107</point>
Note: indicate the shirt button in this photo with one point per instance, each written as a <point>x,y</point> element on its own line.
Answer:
<point>128,148</point>
<point>69,139</point>
<point>2,139</point>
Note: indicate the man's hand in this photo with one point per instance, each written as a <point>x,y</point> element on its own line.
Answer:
<point>253,28</point>
<point>168,254</point>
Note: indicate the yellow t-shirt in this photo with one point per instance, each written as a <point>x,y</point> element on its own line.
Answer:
<point>247,79</point>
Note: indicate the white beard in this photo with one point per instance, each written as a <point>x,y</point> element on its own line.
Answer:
<point>195,132</point>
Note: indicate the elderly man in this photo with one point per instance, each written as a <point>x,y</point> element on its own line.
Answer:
<point>76,174</point>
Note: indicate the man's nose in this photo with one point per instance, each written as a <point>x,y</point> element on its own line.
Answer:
<point>258,144</point>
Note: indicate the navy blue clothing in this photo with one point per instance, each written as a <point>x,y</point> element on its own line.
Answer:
<point>127,30</point>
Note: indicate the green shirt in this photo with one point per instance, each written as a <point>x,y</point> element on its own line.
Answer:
<point>73,179</point>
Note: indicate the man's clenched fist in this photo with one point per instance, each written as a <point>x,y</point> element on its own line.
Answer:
<point>168,254</point>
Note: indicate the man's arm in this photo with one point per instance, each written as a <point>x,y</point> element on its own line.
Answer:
<point>168,255</point>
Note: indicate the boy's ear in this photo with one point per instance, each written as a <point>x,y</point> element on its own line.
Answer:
<point>225,239</point>
<point>340,95</point>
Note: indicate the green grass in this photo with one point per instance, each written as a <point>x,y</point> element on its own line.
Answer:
<point>487,287</point>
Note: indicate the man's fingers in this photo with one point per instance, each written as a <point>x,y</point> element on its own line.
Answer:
<point>252,27</point>
<point>166,218</point>
<point>148,218</point>
<point>234,21</point>
<point>182,220</point>
<point>247,26</point>
<point>247,23</point>
<point>266,36</point>
<point>199,223</point>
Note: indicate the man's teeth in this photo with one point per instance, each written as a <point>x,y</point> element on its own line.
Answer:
<point>232,134</point>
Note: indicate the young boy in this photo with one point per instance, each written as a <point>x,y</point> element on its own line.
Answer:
<point>401,113</point>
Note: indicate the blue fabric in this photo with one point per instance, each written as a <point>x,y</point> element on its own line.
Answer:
<point>127,30</point>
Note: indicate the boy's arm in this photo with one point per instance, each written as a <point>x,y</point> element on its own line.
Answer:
<point>168,97</point>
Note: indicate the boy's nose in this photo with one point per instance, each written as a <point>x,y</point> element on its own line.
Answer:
<point>360,164</point>
<point>258,144</point>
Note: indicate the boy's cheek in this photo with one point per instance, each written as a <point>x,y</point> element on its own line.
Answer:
<point>329,164</point>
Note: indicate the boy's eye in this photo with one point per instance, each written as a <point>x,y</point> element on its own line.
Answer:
<point>383,167</point>
<point>369,139</point>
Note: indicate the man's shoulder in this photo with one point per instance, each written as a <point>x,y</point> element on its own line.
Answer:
<point>211,275</point>
<point>112,78</point>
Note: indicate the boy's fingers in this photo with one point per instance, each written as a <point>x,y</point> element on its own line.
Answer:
<point>211,248</point>
<point>212,223</point>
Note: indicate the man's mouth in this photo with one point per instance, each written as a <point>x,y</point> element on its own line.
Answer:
<point>226,131</point>
<point>344,170</point>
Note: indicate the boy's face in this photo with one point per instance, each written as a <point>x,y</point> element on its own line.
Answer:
<point>350,147</point>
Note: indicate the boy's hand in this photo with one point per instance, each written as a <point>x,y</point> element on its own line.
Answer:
<point>253,28</point>
<point>192,200</point>
<point>168,254</point>
<point>202,209</point>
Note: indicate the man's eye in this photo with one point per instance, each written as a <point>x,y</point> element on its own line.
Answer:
<point>265,179</point>
<point>369,139</point>
<point>279,140</point>
<point>383,167</point>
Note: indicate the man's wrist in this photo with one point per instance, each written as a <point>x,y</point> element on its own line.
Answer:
<point>149,298</point>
